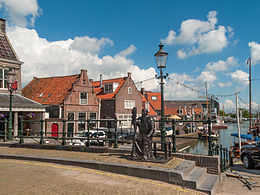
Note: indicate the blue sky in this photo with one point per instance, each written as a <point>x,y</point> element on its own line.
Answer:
<point>207,41</point>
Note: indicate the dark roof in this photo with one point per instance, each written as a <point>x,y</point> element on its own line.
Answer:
<point>18,102</point>
<point>50,90</point>
<point>6,51</point>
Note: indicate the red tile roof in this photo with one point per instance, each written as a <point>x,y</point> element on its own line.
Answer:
<point>151,110</point>
<point>50,90</point>
<point>156,104</point>
<point>99,91</point>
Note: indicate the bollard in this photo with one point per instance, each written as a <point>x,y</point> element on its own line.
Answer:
<point>63,133</point>
<point>5,136</point>
<point>221,158</point>
<point>209,138</point>
<point>41,141</point>
<point>115,141</point>
<point>21,133</point>
<point>173,136</point>
<point>88,122</point>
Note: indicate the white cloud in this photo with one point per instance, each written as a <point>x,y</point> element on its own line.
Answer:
<point>131,49</point>
<point>227,84</point>
<point>228,105</point>
<point>89,45</point>
<point>255,51</point>
<point>240,76</point>
<point>44,58</point>
<point>221,65</point>
<point>18,11</point>
<point>201,36</point>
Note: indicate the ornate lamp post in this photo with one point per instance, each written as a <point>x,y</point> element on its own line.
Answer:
<point>10,80</point>
<point>161,58</point>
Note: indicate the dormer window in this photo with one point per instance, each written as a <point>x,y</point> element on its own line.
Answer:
<point>154,98</point>
<point>108,88</point>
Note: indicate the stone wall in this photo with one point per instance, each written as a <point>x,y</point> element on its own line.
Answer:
<point>212,163</point>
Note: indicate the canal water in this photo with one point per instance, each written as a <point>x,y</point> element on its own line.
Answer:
<point>225,138</point>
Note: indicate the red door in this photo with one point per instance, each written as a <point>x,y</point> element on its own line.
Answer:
<point>54,130</point>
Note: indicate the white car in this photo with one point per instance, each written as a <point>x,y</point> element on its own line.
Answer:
<point>80,142</point>
<point>99,138</point>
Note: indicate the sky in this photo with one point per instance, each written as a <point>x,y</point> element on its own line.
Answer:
<point>207,41</point>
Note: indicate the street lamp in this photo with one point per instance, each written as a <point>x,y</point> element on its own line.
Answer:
<point>161,58</point>
<point>11,76</point>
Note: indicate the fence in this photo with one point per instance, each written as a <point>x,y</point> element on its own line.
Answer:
<point>214,149</point>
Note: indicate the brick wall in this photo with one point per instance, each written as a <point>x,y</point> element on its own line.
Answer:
<point>212,163</point>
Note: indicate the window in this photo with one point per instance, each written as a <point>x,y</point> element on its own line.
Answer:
<point>129,104</point>
<point>92,115</point>
<point>70,116</point>
<point>3,78</point>
<point>129,90</point>
<point>108,88</point>
<point>83,98</point>
<point>154,98</point>
<point>127,118</point>
<point>147,106</point>
<point>180,111</point>
<point>81,123</point>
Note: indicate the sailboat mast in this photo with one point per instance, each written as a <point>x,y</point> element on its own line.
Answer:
<point>250,116</point>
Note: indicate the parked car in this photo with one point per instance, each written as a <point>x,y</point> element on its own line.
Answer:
<point>250,155</point>
<point>81,142</point>
<point>99,138</point>
<point>190,128</point>
<point>168,131</point>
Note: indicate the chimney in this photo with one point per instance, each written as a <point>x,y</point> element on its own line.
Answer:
<point>2,25</point>
<point>100,80</point>
<point>142,91</point>
<point>129,74</point>
<point>83,73</point>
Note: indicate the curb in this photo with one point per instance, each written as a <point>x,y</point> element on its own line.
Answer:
<point>161,174</point>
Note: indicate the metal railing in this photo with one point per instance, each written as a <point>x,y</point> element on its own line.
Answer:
<point>223,153</point>
<point>114,139</point>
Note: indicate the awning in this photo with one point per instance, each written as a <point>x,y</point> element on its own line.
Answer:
<point>175,117</point>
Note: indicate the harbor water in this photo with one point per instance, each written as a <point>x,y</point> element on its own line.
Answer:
<point>225,139</point>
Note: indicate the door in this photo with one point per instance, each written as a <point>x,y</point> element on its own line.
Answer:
<point>54,130</point>
<point>70,129</point>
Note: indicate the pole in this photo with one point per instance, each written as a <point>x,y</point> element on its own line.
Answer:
<point>10,123</point>
<point>238,124</point>
<point>250,117</point>
<point>207,99</point>
<point>21,133</point>
<point>162,110</point>
<point>173,136</point>
<point>115,140</point>
<point>210,152</point>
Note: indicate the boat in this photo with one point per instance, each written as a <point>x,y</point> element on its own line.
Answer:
<point>205,133</point>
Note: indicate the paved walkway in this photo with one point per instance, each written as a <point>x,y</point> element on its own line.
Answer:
<point>123,158</point>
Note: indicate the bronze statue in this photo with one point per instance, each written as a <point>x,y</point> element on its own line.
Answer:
<point>142,142</point>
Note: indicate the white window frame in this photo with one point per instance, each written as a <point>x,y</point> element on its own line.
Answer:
<point>129,104</point>
<point>80,100</point>
<point>108,89</point>
<point>180,111</point>
<point>154,98</point>
<point>4,80</point>
<point>129,90</point>
<point>147,106</point>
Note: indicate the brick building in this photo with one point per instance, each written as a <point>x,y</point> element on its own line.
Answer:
<point>65,97</point>
<point>118,97</point>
